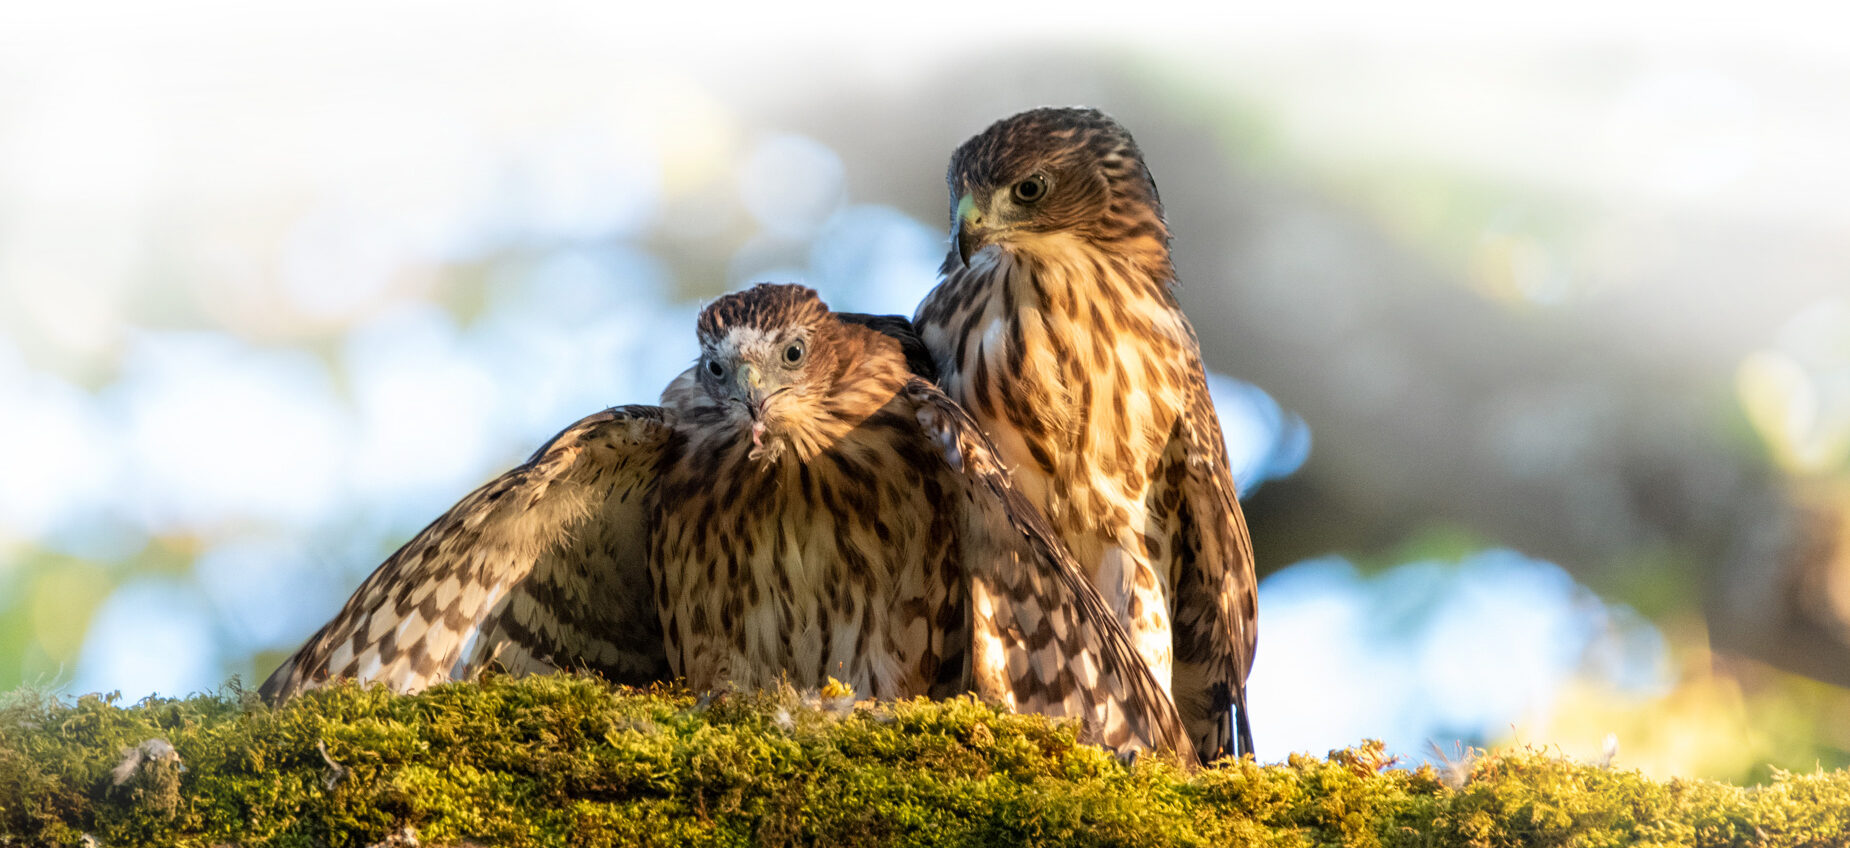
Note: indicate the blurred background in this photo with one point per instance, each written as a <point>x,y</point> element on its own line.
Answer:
<point>1531,334</point>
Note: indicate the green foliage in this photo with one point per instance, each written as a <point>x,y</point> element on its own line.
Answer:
<point>567,760</point>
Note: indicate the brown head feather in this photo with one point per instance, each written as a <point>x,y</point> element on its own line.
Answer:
<point>765,306</point>
<point>1098,185</point>
<point>838,372</point>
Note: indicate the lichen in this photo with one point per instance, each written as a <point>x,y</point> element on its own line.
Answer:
<point>566,760</point>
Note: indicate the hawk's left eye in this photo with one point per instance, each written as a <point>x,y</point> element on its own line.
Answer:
<point>794,353</point>
<point>1031,189</point>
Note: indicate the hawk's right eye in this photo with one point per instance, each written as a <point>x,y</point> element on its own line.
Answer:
<point>714,369</point>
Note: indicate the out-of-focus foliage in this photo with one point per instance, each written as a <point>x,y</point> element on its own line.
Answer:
<point>1797,390</point>
<point>566,761</point>
<point>1714,717</point>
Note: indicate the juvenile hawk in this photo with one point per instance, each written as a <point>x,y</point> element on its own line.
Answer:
<point>801,506</point>
<point>1054,325</point>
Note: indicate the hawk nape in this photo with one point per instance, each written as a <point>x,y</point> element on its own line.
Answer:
<point>802,506</point>
<point>1054,325</point>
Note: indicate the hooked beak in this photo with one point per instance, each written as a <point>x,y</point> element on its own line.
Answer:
<point>967,228</point>
<point>751,393</point>
<point>751,387</point>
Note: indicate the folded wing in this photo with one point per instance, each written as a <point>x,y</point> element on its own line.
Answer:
<point>544,567</point>
<point>1043,640</point>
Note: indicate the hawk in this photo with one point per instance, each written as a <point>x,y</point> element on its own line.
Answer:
<point>801,506</point>
<point>1054,325</point>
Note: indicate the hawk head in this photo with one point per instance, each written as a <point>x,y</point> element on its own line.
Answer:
<point>1045,172</point>
<point>774,362</point>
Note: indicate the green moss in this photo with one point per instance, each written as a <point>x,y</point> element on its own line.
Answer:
<point>571,761</point>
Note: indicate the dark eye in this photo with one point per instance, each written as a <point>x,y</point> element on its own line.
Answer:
<point>1031,189</point>
<point>794,353</point>
<point>714,369</point>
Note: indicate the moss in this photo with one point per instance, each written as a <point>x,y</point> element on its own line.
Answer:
<point>571,761</point>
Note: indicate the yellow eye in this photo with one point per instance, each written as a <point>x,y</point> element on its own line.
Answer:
<point>1031,189</point>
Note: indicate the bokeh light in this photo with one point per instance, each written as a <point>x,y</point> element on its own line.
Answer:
<point>1431,655</point>
<point>61,460</point>
<point>150,637</point>
<point>218,432</point>
<point>424,408</point>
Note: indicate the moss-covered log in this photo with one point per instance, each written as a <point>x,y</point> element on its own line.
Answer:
<point>570,761</point>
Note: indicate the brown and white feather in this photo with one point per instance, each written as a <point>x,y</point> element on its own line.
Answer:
<point>1042,639</point>
<point>1054,324</point>
<point>827,514</point>
<point>540,568</point>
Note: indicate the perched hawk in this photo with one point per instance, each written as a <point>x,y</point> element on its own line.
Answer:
<point>801,506</point>
<point>1054,325</point>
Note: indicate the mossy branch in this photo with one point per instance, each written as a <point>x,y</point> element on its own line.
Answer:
<point>567,760</point>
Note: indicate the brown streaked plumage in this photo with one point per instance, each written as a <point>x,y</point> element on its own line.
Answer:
<point>1054,325</point>
<point>801,507</point>
<point>540,568</point>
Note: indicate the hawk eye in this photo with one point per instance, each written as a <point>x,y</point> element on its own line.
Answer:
<point>714,369</point>
<point>794,353</point>
<point>1031,189</point>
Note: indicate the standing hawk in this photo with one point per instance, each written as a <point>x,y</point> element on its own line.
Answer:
<point>1054,325</point>
<point>801,506</point>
